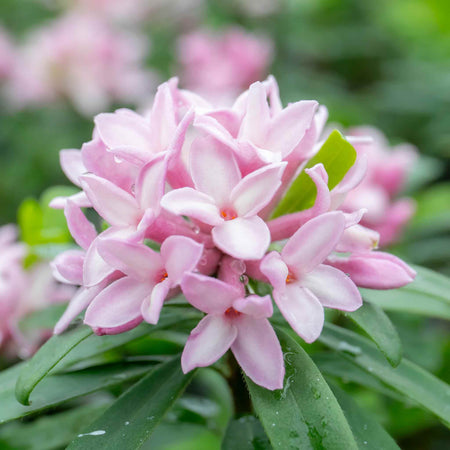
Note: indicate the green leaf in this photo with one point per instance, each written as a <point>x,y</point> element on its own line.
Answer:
<point>305,413</point>
<point>337,155</point>
<point>130,421</point>
<point>56,389</point>
<point>371,319</point>
<point>428,295</point>
<point>369,434</point>
<point>45,359</point>
<point>48,433</point>
<point>245,433</point>
<point>407,378</point>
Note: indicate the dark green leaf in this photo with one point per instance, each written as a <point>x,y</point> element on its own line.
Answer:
<point>130,421</point>
<point>45,359</point>
<point>408,378</point>
<point>337,155</point>
<point>305,413</point>
<point>371,319</point>
<point>245,433</point>
<point>369,434</point>
<point>60,388</point>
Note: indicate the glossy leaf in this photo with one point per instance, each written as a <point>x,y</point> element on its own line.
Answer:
<point>408,378</point>
<point>56,389</point>
<point>130,421</point>
<point>304,414</point>
<point>371,319</point>
<point>369,434</point>
<point>245,433</point>
<point>46,359</point>
<point>337,155</point>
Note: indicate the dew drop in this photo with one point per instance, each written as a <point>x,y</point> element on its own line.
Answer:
<point>93,433</point>
<point>243,279</point>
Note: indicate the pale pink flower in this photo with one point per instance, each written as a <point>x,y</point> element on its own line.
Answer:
<point>233,321</point>
<point>218,65</point>
<point>7,55</point>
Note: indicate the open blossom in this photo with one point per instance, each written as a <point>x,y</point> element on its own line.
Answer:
<point>201,183</point>
<point>81,58</point>
<point>220,64</point>
<point>387,171</point>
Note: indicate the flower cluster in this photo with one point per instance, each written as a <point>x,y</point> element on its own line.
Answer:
<point>82,58</point>
<point>387,172</point>
<point>219,65</point>
<point>22,292</point>
<point>201,182</point>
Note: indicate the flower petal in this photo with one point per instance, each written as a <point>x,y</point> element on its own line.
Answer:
<point>214,169</point>
<point>117,308</point>
<point>136,260</point>
<point>275,269</point>
<point>115,205</point>
<point>302,310</point>
<point>68,267</point>
<point>151,183</point>
<point>255,306</point>
<point>258,352</point>
<point>95,268</point>
<point>180,254</point>
<point>256,190</point>
<point>152,305</point>
<point>72,165</point>
<point>207,294</point>
<point>333,288</point>
<point>192,203</point>
<point>208,341</point>
<point>80,228</point>
<point>313,242</point>
<point>242,238</point>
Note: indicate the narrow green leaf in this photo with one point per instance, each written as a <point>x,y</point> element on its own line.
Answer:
<point>45,359</point>
<point>432,283</point>
<point>130,421</point>
<point>369,434</point>
<point>408,378</point>
<point>51,432</point>
<point>304,414</point>
<point>57,389</point>
<point>371,319</point>
<point>337,155</point>
<point>245,433</point>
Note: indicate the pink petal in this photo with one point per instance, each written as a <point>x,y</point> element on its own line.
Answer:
<point>207,294</point>
<point>374,270</point>
<point>242,238</point>
<point>255,306</point>
<point>95,268</point>
<point>275,269</point>
<point>258,352</point>
<point>80,199</point>
<point>214,169</point>
<point>118,306</point>
<point>358,238</point>
<point>208,341</point>
<point>180,255</point>
<point>192,203</point>
<point>313,242</point>
<point>136,260</point>
<point>302,310</point>
<point>152,305</point>
<point>119,130</point>
<point>333,288</point>
<point>68,267</point>
<point>151,183</point>
<point>115,205</point>
<point>80,228</point>
<point>289,126</point>
<point>72,165</point>
<point>216,130</point>
<point>256,190</point>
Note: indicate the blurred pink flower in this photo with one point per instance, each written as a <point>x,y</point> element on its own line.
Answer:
<point>7,55</point>
<point>218,65</point>
<point>83,59</point>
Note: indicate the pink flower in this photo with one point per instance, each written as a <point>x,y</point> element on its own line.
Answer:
<point>220,64</point>
<point>232,321</point>
<point>7,55</point>
<point>302,284</point>
<point>226,201</point>
<point>149,276</point>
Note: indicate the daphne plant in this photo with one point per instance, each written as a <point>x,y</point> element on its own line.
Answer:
<point>235,213</point>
